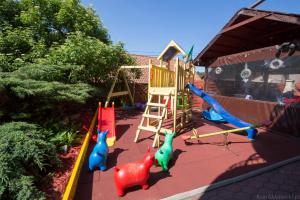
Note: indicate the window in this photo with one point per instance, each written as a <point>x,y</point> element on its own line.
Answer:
<point>268,80</point>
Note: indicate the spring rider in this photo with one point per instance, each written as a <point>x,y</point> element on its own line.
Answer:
<point>164,153</point>
<point>132,174</point>
<point>99,154</point>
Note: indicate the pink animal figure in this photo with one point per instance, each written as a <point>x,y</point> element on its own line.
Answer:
<point>135,173</point>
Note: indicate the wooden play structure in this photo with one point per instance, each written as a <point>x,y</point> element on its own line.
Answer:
<point>126,74</point>
<point>120,74</point>
<point>167,92</point>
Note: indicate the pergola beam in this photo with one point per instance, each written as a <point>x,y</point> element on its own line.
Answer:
<point>277,32</point>
<point>245,22</point>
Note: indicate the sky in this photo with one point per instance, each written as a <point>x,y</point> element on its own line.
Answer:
<point>147,26</point>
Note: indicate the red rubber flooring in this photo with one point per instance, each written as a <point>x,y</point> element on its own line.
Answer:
<point>195,163</point>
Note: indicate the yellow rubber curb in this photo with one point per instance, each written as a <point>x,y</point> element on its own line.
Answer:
<point>72,184</point>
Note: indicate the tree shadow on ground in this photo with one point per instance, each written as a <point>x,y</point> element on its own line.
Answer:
<point>175,156</point>
<point>262,158</point>
<point>122,114</point>
<point>121,129</point>
<point>113,157</point>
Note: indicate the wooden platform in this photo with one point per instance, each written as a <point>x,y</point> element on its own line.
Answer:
<point>195,164</point>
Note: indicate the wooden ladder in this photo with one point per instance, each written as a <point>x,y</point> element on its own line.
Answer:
<point>156,129</point>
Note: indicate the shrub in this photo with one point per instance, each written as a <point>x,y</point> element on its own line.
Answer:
<point>65,139</point>
<point>25,156</point>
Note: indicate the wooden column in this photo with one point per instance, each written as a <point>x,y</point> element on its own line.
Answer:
<point>176,93</point>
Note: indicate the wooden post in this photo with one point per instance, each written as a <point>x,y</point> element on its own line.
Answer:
<point>175,95</point>
<point>128,89</point>
<point>191,96</point>
<point>159,101</point>
<point>111,89</point>
<point>205,79</point>
<point>193,73</point>
<point>160,81</point>
<point>226,140</point>
<point>149,88</point>
<point>159,78</point>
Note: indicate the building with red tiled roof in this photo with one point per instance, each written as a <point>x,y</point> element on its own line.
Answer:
<point>143,62</point>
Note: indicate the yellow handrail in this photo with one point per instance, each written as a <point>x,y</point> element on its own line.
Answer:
<point>72,184</point>
<point>161,77</point>
<point>181,78</point>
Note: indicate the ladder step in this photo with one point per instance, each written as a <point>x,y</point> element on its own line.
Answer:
<point>160,93</point>
<point>163,130</point>
<point>156,104</point>
<point>116,94</point>
<point>149,128</point>
<point>152,116</point>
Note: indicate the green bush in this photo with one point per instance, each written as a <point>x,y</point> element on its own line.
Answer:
<point>54,90</point>
<point>25,156</point>
<point>97,59</point>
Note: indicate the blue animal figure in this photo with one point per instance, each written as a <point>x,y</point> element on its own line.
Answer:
<point>99,154</point>
<point>164,153</point>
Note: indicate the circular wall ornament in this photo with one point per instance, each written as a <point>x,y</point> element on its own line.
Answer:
<point>219,70</point>
<point>245,73</point>
<point>276,63</point>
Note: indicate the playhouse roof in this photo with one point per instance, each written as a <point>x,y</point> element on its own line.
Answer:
<point>250,29</point>
<point>170,52</point>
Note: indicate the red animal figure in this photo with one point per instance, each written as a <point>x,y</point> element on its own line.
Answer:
<point>135,173</point>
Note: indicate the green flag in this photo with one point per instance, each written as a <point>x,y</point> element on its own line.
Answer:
<point>189,55</point>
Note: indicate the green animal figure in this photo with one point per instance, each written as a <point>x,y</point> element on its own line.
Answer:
<point>164,153</point>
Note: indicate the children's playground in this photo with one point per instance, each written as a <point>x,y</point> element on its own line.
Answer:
<point>168,148</point>
<point>195,163</point>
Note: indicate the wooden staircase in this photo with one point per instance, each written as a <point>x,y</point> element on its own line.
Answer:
<point>162,112</point>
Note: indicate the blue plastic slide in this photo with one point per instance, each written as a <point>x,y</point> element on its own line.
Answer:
<point>213,116</point>
<point>221,111</point>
